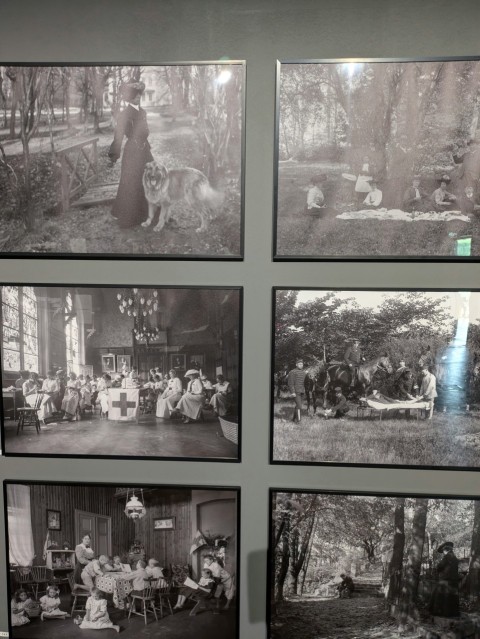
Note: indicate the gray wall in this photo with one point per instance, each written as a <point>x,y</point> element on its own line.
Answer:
<point>259,31</point>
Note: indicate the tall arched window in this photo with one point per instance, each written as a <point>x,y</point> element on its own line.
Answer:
<point>71,335</point>
<point>19,328</point>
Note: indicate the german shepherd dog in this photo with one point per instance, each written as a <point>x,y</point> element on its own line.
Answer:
<point>163,187</point>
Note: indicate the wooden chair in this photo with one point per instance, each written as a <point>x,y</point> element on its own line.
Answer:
<point>29,414</point>
<point>147,597</point>
<point>40,576</point>
<point>203,603</point>
<point>23,577</point>
<point>77,593</point>
<point>163,591</point>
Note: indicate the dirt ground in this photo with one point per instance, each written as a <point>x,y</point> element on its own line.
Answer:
<point>314,618</point>
<point>94,230</point>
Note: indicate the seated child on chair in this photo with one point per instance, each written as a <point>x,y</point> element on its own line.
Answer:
<point>153,569</point>
<point>97,616</point>
<point>207,586</point>
<point>50,603</point>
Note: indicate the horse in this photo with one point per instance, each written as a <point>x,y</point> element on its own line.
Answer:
<point>316,384</point>
<point>341,375</point>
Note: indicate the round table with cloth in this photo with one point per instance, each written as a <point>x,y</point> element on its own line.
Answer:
<point>117,584</point>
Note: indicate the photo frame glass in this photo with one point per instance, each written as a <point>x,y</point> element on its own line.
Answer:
<point>100,197</point>
<point>54,521</point>
<point>164,523</point>
<point>414,563</point>
<point>52,335</point>
<point>377,159</point>
<point>376,377</point>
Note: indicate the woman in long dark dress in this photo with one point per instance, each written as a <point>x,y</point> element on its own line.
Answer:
<point>445,601</point>
<point>130,206</point>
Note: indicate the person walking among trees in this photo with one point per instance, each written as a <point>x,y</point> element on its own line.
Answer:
<point>445,600</point>
<point>130,206</point>
<point>296,386</point>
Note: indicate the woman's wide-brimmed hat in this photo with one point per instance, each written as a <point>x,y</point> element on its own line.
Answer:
<point>447,545</point>
<point>130,89</point>
<point>192,371</point>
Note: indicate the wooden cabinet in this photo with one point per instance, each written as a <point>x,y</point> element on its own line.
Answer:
<point>60,560</point>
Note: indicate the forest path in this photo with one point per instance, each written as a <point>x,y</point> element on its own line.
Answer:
<point>356,618</point>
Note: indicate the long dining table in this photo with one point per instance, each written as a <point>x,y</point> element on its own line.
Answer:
<point>117,584</point>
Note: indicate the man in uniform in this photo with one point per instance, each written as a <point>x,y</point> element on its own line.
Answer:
<point>340,408</point>
<point>296,386</point>
<point>445,599</point>
<point>353,358</point>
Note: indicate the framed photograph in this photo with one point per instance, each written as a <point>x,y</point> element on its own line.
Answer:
<point>164,523</point>
<point>124,363</point>
<point>376,377</point>
<point>377,159</point>
<point>119,522</point>
<point>108,363</point>
<point>51,333</point>
<point>54,520</point>
<point>178,361</point>
<point>197,361</point>
<point>110,192</point>
<point>371,564</point>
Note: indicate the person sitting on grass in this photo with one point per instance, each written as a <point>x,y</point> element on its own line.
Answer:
<point>207,585</point>
<point>50,603</point>
<point>97,617</point>
<point>374,198</point>
<point>346,588</point>
<point>340,408</point>
<point>315,196</point>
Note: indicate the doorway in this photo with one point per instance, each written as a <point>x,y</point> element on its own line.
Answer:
<point>98,527</point>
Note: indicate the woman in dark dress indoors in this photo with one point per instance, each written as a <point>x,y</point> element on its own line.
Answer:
<point>130,206</point>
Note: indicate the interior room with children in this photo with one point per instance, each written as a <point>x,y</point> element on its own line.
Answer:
<point>150,561</point>
<point>121,371</point>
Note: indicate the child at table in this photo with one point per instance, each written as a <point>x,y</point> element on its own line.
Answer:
<point>50,604</point>
<point>97,616</point>
<point>93,569</point>
<point>153,569</point>
<point>207,585</point>
<point>113,565</point>
<point>21,602</point>
<point>138,578</point>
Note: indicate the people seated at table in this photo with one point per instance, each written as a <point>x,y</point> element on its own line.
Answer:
<point>72,397</point>
<point>221,396</point>
<point>206,590</point>
<point>96,617</point>
<point>138,577</point>
<point>168,400</point>
<point>406,387</point>
<point>154,571</point>
<point>95,568</point>
<point>191,404</point>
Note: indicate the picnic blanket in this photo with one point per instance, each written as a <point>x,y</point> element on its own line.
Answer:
<point>404,216</point>
<point>386,403</point>
<point>115,583</point>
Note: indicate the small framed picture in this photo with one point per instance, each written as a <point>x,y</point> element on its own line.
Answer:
<point>164,523</point>
<point>54,521</point>
<point>108,363</point>
<point>178,361</point>
<point>196,361</point>
<point>124,363</point>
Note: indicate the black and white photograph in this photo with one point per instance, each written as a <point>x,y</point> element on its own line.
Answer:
<point>134,161</point>
<point>376,377</point>
<point>359,566</point>
<point>109,569</point>
<point>142,409</point>
<point>378,159</point>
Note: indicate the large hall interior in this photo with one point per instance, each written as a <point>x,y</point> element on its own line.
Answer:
<point>122,372</point>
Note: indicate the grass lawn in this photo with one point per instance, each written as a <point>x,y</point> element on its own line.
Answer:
<point>449,439</point>
<point>324,235</point>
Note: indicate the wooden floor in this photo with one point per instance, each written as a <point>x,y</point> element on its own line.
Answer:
<point>205,625</point>
<point>150,437</point>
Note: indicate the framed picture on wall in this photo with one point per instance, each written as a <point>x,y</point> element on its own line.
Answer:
<point>377,159</point>
<point>101,195</point>
<point>197,361</point>
<point>108,363</point>
<point>114,528</point>
<point>54,520</point>
<point>392,555</point>
<point>164,523</point>
<point>126,320</point>
<point>376,377</point>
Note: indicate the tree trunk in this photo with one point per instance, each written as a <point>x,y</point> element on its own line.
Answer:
<point>395,566</point>
<point>408,608</point>
<point>474,563</point>
<point>284,562</point>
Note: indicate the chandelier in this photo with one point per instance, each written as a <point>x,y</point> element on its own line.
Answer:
<point>135,508</point>
<point>142,305</point>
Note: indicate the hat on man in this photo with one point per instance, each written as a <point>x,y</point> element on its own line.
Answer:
<point>447,545</point>
<point>338,389</point>
<point>299,360</point>
<point>191,371</point>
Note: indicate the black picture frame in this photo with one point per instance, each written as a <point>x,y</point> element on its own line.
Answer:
<point>451,406</point>
<point>235,492</point>
<point>79,246</point>
<point>164,523</point>
<point>238,290</point>
<point>287,232</point>
<point>273,491</point>
<point>54,519</point>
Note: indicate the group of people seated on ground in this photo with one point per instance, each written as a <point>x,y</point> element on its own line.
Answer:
<point>69,396</point>
<point>368,195</point>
